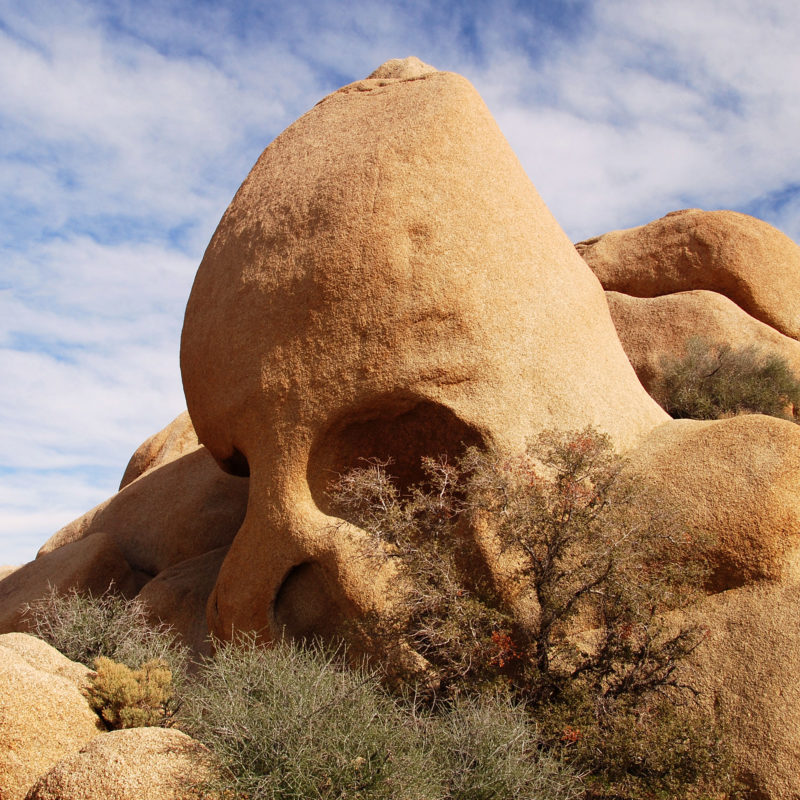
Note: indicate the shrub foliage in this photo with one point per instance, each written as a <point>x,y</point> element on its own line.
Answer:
<point>716,380</point>
<point>84,627</point>
<point>132,698</point>
<point>595,660</point>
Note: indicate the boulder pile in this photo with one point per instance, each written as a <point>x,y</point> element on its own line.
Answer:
<point>387,283</point>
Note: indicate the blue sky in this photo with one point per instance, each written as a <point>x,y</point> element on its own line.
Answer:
<point>125,129</point>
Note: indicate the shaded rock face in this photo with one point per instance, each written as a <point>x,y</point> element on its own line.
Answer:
<point>388,283</point>
<point>168,526</point>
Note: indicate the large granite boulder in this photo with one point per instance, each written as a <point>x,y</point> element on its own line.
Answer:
<point>386,282</point>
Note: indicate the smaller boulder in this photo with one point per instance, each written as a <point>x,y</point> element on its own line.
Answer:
<point>178,596</point>
<point>131,764</point>
<point>88,565</point>
<point>733,487</point>
<point>171,442</point>
<point>43,714</point>
<point>742,257</point>
<point>655,329</point>
<point>178,510</point>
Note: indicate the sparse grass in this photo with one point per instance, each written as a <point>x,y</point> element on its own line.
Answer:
<point>714,380</point>
<point>290,724</point>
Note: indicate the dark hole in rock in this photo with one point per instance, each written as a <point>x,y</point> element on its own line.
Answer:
<point>403,429</point>
<point>236,464</point>
<point>304,607</point>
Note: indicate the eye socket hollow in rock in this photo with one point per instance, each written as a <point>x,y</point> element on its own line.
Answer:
<point>403,429</point>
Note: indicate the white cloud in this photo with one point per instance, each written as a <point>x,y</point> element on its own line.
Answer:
<point>127,128</point>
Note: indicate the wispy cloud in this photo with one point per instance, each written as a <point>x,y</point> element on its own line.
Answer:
<point>126,128</point>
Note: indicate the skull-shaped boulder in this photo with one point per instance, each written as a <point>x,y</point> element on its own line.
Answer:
<point>386,282</point>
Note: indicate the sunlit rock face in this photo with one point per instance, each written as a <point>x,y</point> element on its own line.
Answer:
<point>386,282</point>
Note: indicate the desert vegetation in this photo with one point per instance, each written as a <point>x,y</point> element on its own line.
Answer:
<point>571,689</point>
<point>714,380</point>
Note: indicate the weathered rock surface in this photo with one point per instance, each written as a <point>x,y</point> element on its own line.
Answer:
<point>739,481</point>
<point>43,715</point>
<point>655,329</point>
<point>90,565</point>
<point>178,597</point>
<point>746,672</point>
<point>6,570</point>
<point>741,257</point>
<point>173,441</point>
<point>386,282</point>
<point>175,511</point>
<point>133,764</point>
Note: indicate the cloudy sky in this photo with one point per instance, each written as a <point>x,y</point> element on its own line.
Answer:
<point>126,127</point>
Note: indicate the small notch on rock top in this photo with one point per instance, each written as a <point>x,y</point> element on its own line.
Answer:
<point>403,69</point>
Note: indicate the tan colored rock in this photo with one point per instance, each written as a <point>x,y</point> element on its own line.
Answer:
<point>132,764</point>
<point>386,282</point>
<point>654,329</point>
<point>90,565</point>
<point>747,672</point>
<point>737,479</point>
<point>5,571</point>
<point>172,512</point>
<point>173,441</point>
<point>747,260</point>
<point>43,657</point>
<point>178,597</point>
<point>43,715</point>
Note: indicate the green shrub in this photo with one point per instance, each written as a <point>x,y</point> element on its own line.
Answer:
<point>595,557</point>
<point>289,723</point>
<point>128,698</point>
<point>715,380</point>
<point>83,627</point>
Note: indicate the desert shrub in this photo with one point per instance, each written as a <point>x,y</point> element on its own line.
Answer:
<point>488,749</point>
<point>290,723</point>
<point>595,559</point>
<point>84,627</point>
<point>132,698</point>
<point>716,380</point>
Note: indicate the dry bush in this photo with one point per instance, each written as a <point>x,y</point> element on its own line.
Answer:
<point>715,380</point>
<point>595,555</point>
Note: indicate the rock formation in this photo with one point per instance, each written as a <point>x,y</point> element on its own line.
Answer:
<point>386,282</point>
<point>743,258</point>
<point>654,330</point>
<point>43,715</point>
<point>169,525</point>
<point>133,764</point>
